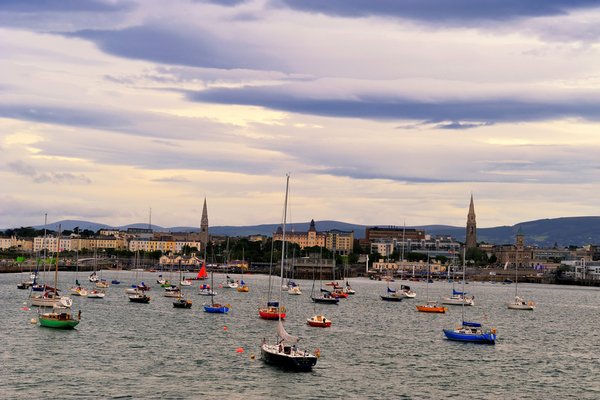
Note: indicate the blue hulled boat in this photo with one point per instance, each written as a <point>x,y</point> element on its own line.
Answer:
<point>471,332</point>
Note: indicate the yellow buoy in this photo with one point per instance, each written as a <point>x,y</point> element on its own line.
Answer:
<point>33,321</point>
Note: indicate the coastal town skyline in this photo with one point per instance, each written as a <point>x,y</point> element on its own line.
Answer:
<point>383,113</point>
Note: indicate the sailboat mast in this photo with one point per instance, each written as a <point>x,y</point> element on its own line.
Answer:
<point>287,184</point>
<point>516,276</point>
<point>463,283</point>
<point>56,270</point>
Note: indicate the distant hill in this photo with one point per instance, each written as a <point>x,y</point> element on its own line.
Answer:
<point>564,231</point>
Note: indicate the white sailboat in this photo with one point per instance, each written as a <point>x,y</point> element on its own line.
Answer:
<point>519,303</point>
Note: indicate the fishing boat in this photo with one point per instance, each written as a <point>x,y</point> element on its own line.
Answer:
<point>283,352</point>
<point>472,332</point>
<point>519,303</point>
<point>60,317</point>
<point>215,308</point>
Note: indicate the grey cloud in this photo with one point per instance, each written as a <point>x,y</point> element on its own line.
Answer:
<point>459,125</point>
<point>368,174</point>
<point>22,168</point>
<point>435,11</point>
<point>385,108</point>
<point>176,46</point>
<point>64,6</point>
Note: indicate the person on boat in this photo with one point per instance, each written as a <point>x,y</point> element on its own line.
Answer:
<point>280,348</point>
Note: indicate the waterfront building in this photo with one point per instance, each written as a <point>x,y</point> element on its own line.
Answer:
<point>178,261</point>
<point>166,246</point>
<point>377,233</point>
<point>471,238</point>
<point>15,243</point>
<point>342,242</point>
<point>310,238</point>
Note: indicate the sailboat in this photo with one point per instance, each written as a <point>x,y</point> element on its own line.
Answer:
<point>272,310</point>
<point>518,302</point>
<point>60,317</point>
<point>459,297</point>
<point>325,297</point>
<point>243,287</point>
<point>284,353</point>
<point>391,294</point>
<point>77,290</point>
<point>470,331</point>
<point>317,320</point>
<point>215,308</point>
<point>430,306</point>
<point>181,302</point>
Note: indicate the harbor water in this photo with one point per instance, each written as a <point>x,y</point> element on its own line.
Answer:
<point>374,349</point>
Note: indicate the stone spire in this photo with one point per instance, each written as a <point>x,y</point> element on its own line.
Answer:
<point>204,225</point>
<point>471,241</point>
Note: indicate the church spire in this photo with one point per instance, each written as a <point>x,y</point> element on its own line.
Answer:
<point>471,240</point>
<point>204,225</point>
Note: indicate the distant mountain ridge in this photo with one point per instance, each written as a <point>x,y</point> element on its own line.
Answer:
<point>564,231</point>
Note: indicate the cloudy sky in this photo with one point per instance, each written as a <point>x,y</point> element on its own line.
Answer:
<point>382,111</point>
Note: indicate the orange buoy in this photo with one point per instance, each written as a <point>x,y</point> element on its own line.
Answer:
<point>224,328</point>
<point>239,350</point>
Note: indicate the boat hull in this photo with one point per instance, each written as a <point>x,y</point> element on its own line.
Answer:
<point>482,338</point>
<point>52,322</point>
<point>216,310</point>
<point>458,302</point>
<point>182,304</point>
<point>318,322</point>
<point>513,306</point>
<point>325,300</point>
<point>391,298</point>
<point>432,309</point>
<point>287,359</point>
<point>139,299</point>
<point>271,315</point>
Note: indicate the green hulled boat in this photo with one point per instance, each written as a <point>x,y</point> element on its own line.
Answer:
<point>60,317</point>
<point>59,320</point>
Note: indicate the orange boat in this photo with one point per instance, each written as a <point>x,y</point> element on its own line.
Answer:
<point>432,307</point>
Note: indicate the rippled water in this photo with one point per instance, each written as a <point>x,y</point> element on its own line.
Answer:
<point>374,350</point>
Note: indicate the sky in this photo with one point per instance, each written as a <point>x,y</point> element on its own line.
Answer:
<point>383,112</point>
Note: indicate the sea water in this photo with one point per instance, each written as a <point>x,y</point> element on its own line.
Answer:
<point>374,350</point>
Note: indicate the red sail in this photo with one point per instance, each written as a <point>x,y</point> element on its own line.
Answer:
<point>202,273</point>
